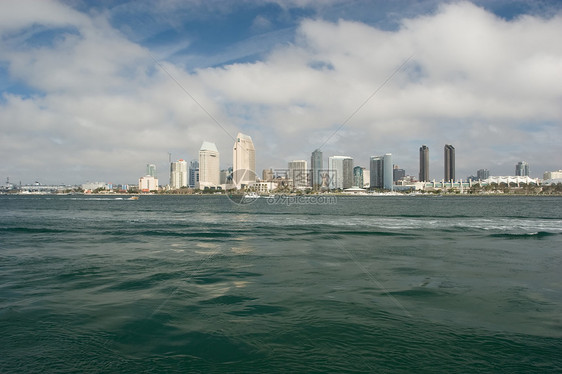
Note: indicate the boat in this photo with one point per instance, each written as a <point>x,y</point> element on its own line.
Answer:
<point>133,198</point>
<point>251,195</point>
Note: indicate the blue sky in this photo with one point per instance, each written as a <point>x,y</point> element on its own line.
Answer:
<point>83,99</point>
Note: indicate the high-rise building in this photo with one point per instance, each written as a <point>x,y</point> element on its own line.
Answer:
<point>358,176</point>
<point>243,161</point>
<point>193,173</point>
<point>522,169</point>
<point>449,162</point>
<point>316,164</point>
<point>298,173</point>
<point>482,174</point>
<point>376,166</point>
<point>267,175</point>
<point>381,172</point>
<point>151,170</point>
<point>424,163</point>
<point>209,166</point>
<point>397,173</point>
<point>388,182</point>
<point>178,174</point>
<point>366,178</point>
<point>341,172</point>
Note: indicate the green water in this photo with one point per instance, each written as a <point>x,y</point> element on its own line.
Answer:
<point>357,284</point>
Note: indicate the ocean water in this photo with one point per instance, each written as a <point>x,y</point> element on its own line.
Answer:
<point>357,284</point>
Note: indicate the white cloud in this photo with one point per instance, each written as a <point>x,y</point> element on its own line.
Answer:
<point>102,108</point>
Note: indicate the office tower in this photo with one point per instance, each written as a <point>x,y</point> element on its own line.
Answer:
<point>178,174</point>
<point>243,161</point>
<point>209,166</point>
<point>522,169</point>
<point>316,164</point>
<point>376,166</point>
<point>449,163</point>
<point>358,176</point>
<point>366,178</point>
<point>397,173</point>
<point>193,173</point>
<point>387,175</point>
<point>381,172</point>
<point>482,174</point>
<point>424,163</point>
<point>267,175</point>
<point>151,170</point>
<point>340,172</point>
<point>298,173</point>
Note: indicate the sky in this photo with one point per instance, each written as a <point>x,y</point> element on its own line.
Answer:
<point>95,90</point>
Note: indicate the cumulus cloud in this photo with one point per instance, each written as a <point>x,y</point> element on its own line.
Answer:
<point>99,107</point>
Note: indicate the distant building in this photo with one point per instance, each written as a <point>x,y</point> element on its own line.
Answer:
<point>381,172</point>
<point>449,163</point>
<point>226,176</point>
<point>151,170</point>
<point>366,178</point>
<point>193,173</point>
<point>298,173</point>
<point>398,174</point>
<point>178,174</point>
<point>267,175</point>
<point>341,172</point>
<point>243,161</point>
<point>209,166</point>
<point>148,183</point>
<point>316,165</point>
<point>482,174</point>
<point>552,175</point>
<point>522,169</point>
<point>358,176</point>
<point>424,163</point>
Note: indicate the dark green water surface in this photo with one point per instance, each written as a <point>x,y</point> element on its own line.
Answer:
<point>357,284</point>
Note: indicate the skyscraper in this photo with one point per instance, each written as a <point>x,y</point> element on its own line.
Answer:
<point>193,173</point>
<point>424,163</point>
<point>388,180</point>
<point>449,163</point>
<point>482,174</point>
<point>243,161</point>
<point>341,172</point>
<point>298,173</point>
<point>522,169</point>
<point>316,164</point>
<point>209,165</point>
<point>376,168</point>
<point>358,176</point>
<point>398,174</point>
<point>381,172</point>
<point>178,174</point>
<point>151,170</point>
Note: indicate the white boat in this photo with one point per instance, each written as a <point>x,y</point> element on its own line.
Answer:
<point>251,195</point>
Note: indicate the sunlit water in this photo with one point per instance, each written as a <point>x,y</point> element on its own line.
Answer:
<point>361,284</point>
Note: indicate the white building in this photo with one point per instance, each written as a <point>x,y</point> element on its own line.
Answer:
<point>148,183</point>
<point>552,175</point>
<point>298,173</point>
<point>341,172</point>
<point>209,166</point>
<point>178,174</point>
<point>243,161</point>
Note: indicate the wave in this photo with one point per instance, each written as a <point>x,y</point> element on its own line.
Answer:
<point>33,230</point>
<point>525,235</point>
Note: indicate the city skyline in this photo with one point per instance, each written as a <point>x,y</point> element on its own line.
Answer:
<point>88,89</point>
